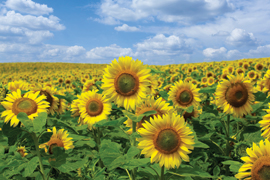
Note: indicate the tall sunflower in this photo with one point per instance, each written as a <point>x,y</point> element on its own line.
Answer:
<point>256,166</point>
<point>126,82</point>
<point>58,139</point>
<point>148,105</point>
<point>235,95</point>
<point>93,107</point>
<point>265,124</point>
<point>166,140</point>
<point>184,94</point>
<point>28,103</point>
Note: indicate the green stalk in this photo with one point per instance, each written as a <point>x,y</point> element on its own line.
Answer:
<point>134,124</point>
<point>162,173</point>
<point>228,143</point>
<point>38,154</point>
<point>98,135</point>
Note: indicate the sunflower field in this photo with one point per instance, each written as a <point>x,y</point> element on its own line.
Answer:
<point>128,120</point>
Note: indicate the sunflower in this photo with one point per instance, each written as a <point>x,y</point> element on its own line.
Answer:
<point>204,80</point>
<point>251,75</point>
<point>256,166</point>
<point>89,85</point>
<point>148,105</point>
<point>235,95</point>
<point>265,123</point>
<point>166,139</point>
<point>184,94</point>
<point>22,151</point>
<point>210,81</point>
<point>62,105</point>
<point>188,116</point>
<point>58,139</point>
<point>240,71</point>
<point>13,86</point>
<point>245,66</point>
<point>125,82</point>
<point>29,103</point>
<point>49,92</point>
<point>75,111</point>
<point>93,107</point>
<point>153,87</point>
<point>259,66</point>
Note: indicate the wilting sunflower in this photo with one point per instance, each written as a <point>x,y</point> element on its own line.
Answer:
<point>148,105</point>
<point>29,103</point>
<point>126,82</point>
<point>235,95</point>
<point>58,139</point>
<point>265,124</point>
<point>256,166</point>
<point>166,140</point>
<point>94,107</point>
<point>22,151</point>
<point>184,94</point>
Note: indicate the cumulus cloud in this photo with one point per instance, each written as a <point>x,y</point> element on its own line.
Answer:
<point>211,53</point>
<point>111,51</point>
<point>28,6</point>
<point>126,28</point>
<point>260,50</point>
<point>161,45</point>
<point>31,22</point>
<point>239,37</point>
<point>75,50</point>
<point>183,11</point>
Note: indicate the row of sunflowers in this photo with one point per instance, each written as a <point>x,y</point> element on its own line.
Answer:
<point>135,121</point>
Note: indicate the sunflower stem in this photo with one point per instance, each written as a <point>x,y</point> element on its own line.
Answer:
<point>162,173</point>
<point>134,124</point>
<point>38,154</point>
<point>228,143</point>
<point>98,135</point>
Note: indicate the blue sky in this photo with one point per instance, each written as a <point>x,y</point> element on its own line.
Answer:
<point>154,31</point>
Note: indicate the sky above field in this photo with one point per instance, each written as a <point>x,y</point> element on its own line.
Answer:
<point>157,32</point>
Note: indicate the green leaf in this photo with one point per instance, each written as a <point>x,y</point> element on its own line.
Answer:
<point>190,171</point>
<point>256,107</point>
<point>147,113</point>
<point>133,163</point>
<point>71,166</point>
<point>11,132</point>
<point>189,109</point>
<point>39,122</point>
<point>91,143</point>
<point>131,116</point>
<point>109,151</point>
<point>82,127</point>
<point>31,166</point>
<point>132,151</point>
<point>207,90</point>
<point>234,165</point>
<point>22,116</point>
<point>105,122</point>
<point>154,71</point>
<point>216,171</point>
<point>199,144</point>
<point>59,155</point>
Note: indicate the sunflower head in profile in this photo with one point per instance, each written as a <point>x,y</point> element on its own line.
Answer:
<point>161,107</point>
<point>58,139</point>
<point>166,140</point>
<point>93,107</point>
<point>184,94</point>
<point>22,151</point>
<point>235,95</point>
<point>257,164</point>
<point>126,82</point>
<point>29,103</point>
<point>89,85</point>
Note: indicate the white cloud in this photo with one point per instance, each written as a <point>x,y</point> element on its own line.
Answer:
<point>31,22</point>
<point>35,37</point>
<point>261,50</point>
<point>111,51</point>
<point>211,53</point>
<point>161,45</point>
<point>233,54</point>
<point>239,37</point>
<point>75,50</point>
<point>184,11</point>
<point>126,28</point>
<point>29,7</point>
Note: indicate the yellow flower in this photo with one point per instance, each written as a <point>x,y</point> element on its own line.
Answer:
<point>256,166</point>
<point>28,103</point>
<point>58,139</point>
<point>166,140</point>
<point>126,82</point>
<point>22,151</point>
